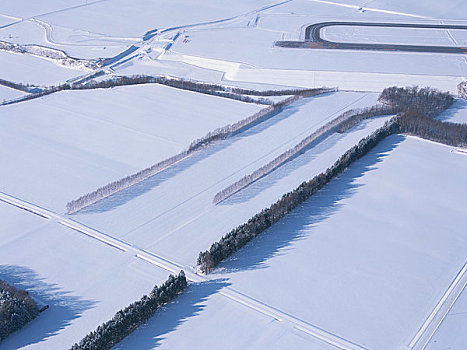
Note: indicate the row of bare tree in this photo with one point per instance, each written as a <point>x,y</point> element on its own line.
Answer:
<point>343,122</point>
<point>128,181</point>
<point>240,236</point>
<point>416,110</point>
<point>235,93</point>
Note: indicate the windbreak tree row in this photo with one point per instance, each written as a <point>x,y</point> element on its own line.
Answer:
<point>136,314</point>
<point>418,124</point>
<point>428,101</point>
<point>343,122</point>
<point>240,236</point>
<point>355,116</point>
<point>220,133</point>
<point>201,87</point>
<point>462,89</point>
<point>419,107</point>
<point>17,86</point>
<point>416,109</point>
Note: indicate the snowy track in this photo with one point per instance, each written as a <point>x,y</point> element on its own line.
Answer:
<point>313,39</point>
<point>439,313</point>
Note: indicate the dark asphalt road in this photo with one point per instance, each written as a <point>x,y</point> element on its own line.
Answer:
<point>313,39</point>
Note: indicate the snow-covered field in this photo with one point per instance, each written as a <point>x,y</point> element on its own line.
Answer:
<point>366,259</point>
<point>7,93</point>
<point>204,319</point>
<point>452,333</point>
<point>83,281</point>
<point>76,141</point>
<point>361,264</point>
<point>413,9</point>
<point>390,232</point>
<point>406,36</point>
<point>28,69</point>
<point>76,42</point>
<point>215,31</point>
<point>169,207</point>
<point>457,113</point>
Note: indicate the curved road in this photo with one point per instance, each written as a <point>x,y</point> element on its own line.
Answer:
<point>313,39</point>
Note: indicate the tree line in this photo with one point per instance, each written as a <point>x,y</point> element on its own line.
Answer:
<point>239,94</point>
<point>16,309</point>
<point>416,109</point>
<point>198,86</point>
<point>418,124</point>
<point>426,100</point>
<point>240,236</point>
<point>19,86</point>
<point>343,122</point>
<point>358,115</point>
<point>57,55</point>
<point>136,314</point>
<point>419,106</point>
<point>220,133</point>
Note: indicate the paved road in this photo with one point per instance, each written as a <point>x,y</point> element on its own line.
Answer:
<point>313,39</point>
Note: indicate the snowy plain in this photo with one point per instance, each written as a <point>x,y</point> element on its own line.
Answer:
<point>203,317</point>
<point>7,93</point>
<point>28,69</point>
<point>456,114</point>
<point>76,141</point>
<point>452,333</point>
<point>373,281</point>
<point>173,205</point>
<point>375,250</point>
<point>406,245</point>
<point>405,36</point>
<point>83,281</point>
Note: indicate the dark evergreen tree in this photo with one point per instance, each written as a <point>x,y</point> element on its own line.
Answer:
<point>134,315</point>
<point>16,309</point>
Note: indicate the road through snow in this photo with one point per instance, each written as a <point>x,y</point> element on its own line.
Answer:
<point>174,268</point>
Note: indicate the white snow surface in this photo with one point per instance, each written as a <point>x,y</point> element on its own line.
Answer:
<point>372,282</point>
<point>369,256</point>
<point>7,93</point>
<point>120,18</point>
<point>457,113</point>
<point>75,42</point>
<point>204,319</point>
<point>83,281</point>
<point>76,141</point>
<point>176,204</point>
<point>452,333</point>
<point>366,259</point>
<point>452,9</point>
<point>28,69</point>
<point>405,36</point>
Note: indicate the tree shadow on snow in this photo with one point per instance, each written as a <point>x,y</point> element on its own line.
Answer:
<point>296,225</point>
<point>303,158</point>
<point>123,197</point>
<point>458,105</point>
<point>189,304</point>
<point>63,307</point>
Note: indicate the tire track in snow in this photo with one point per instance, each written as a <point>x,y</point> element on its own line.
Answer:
<point>173,267</point>
<point>441,310</point>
